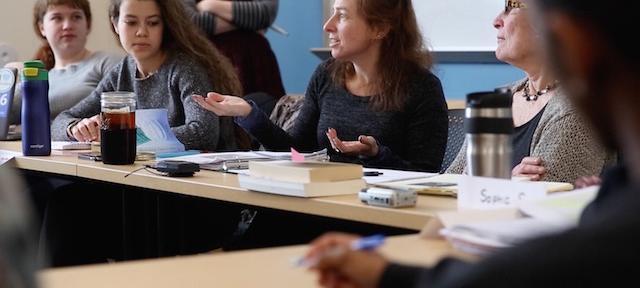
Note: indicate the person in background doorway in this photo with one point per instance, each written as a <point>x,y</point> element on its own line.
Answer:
<point>237,29</point>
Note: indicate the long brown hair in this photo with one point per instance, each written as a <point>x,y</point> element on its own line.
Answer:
<point>44,53</point>
<point>180,34</point>
<point>403,52</point>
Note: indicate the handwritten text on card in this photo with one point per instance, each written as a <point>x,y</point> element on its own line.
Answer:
<point>488,193</point>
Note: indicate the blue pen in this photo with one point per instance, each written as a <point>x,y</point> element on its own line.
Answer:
<point>364,243</point>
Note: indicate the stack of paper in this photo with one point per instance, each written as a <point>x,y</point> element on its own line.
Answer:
<point>447,185</point>
<point>438,184</point>
<point>217,161</point>
<point>485,237</point>
<point>70,145</point>
<point>482,232</point>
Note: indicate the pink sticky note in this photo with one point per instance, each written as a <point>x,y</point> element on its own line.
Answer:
<point>296,156</point>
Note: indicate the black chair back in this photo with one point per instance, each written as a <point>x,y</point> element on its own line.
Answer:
<point>455,137</point>
<point>286,111</point>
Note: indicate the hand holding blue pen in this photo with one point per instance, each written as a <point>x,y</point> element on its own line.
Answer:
<point>364,243</point>
<point>334,258</point>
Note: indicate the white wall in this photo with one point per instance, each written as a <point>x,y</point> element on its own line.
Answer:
<point>16,29</point>
<point>458,25</point>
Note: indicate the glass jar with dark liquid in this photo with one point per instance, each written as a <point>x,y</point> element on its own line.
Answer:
<point>118,128</point>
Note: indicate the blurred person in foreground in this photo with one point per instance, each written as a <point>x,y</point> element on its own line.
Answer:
<point>18,245</point>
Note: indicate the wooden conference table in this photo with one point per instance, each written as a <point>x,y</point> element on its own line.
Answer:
<point>263,267</point>
<point>254,268</point>
<point>225,187</point>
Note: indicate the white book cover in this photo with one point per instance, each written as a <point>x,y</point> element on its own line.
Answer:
<point>315,189</point>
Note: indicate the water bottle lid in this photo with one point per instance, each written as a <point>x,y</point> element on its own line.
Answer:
<point>34,70</point>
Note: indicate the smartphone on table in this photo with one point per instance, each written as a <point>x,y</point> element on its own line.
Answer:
<point>95,156</point>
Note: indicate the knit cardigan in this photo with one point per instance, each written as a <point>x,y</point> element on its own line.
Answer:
<point>563,140</point>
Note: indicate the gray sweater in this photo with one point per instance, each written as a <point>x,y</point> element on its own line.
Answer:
<point>564,141</point>
<point>70,85</point>
<point>170,87</point>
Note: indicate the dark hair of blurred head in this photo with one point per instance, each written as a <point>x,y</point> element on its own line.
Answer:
<point>602,89</point>
<point>615,20</point>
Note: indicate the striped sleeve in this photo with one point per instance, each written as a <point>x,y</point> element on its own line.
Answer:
<point>254,15</point>
<point>206,21</point>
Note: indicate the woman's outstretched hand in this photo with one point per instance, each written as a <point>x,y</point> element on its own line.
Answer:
<point>223,105</point>
<point>365,146</point>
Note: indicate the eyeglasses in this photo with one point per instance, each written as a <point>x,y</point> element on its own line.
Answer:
<point>511,4</point>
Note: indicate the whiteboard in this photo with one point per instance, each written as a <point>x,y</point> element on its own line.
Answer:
<point>458,25</point>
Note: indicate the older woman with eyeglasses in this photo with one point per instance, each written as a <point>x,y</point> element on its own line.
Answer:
<point>551,142</point>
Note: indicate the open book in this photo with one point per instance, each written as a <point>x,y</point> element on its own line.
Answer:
<point>153,133</point>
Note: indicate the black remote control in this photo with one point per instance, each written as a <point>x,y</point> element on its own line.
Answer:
<point>175,168</point>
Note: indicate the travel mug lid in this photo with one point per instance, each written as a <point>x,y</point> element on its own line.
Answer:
<point>500,98</point>
<point>489,113</point>
<point>34,70</point>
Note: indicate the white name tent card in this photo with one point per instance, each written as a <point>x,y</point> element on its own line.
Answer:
<point>491,193</point>
<point>6,155</point>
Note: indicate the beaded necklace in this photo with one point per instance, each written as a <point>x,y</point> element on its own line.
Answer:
<point>534,97</point>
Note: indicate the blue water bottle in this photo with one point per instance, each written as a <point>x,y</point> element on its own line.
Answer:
<point>36,119</point>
